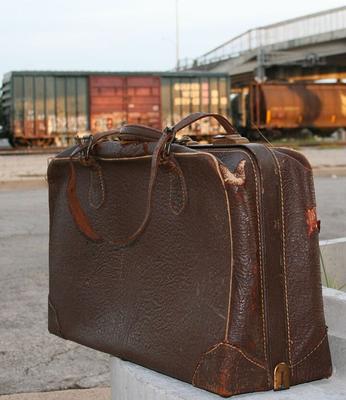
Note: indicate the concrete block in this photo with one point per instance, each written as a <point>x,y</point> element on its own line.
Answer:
<point>133,382</point>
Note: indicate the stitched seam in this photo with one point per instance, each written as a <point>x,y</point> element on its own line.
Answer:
<point>101,181</point>
<point>284,257</point>
<point>182,201</point>
<point>260,256</point>
<point>292,158</point>
<point>231,243</point>
<point>313,350</point>
<point>245,356</point>
<point>261,270</point>
<point>212,349</point>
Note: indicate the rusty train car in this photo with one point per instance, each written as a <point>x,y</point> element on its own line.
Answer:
<point>52,107</point>
<point>277,108</point>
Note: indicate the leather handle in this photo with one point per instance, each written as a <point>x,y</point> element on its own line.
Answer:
<point>145,133</point>
<point>233,135</point>
<point>190,119</point>
<point>126,132</point>
<point>80,216</point>
<point>140,132</point>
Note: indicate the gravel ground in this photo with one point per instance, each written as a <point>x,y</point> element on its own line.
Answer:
<point>30,358</point>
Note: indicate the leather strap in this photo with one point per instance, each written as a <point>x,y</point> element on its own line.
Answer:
<point>148,134</point>
<point>273,255</point>
<point>190,119</point>
<point>80,216</point>
<point>126,132</point>
<point>141,130</point>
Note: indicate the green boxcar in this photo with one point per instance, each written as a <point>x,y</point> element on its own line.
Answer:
<point>44,107</point>
<point>183,94</point>
<point>52,107</point>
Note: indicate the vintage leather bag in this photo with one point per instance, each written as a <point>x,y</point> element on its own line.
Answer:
<point>200,262</point>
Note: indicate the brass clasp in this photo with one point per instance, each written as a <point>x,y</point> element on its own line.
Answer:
<point>281,376</point>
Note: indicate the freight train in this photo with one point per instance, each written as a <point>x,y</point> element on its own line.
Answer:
<point>42,108</point>
<point>52,107</point>
<point>280,108</point>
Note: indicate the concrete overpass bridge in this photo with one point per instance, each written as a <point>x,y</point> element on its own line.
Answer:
<point>309,48</point>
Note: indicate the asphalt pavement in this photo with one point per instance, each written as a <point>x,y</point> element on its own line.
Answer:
<point>31,359</point>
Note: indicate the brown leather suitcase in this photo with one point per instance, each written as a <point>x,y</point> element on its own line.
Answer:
<point>200,262</point>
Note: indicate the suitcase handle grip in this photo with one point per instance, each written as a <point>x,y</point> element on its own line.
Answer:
<point>148,134</point>
<point>80,216</point>
<point>233,135</point>
<point>190,119</point>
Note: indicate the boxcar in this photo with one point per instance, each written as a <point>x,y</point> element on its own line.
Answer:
<point>52,107</point>
<point>279,108</point>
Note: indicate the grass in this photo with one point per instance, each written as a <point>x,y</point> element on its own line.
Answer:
<point>330,283</point>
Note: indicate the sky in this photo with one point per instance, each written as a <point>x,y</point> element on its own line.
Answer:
<point>132,35</point>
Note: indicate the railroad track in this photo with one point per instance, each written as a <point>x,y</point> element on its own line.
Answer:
<point>8,151</point>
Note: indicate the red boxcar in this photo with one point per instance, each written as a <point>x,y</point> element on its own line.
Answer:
<point>119,99</point>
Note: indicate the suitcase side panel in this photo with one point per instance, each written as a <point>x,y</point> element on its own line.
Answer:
<point>240,364</point>
<point>307,330</point>
<point>247,328</point>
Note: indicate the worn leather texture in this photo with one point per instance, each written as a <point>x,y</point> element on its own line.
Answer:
<point>199,262</point>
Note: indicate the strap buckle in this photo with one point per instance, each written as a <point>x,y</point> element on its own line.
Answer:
<point>167,147</point>
<point>281,376</point>
<point>84,142</point>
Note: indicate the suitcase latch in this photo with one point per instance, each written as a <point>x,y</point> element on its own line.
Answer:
<point>281,377</point>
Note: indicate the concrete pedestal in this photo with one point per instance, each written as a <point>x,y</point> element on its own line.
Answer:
<point>132,382</point>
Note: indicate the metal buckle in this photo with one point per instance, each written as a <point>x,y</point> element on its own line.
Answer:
<point>82,141</point>
<point>281,377</point>
<point>167,148</point>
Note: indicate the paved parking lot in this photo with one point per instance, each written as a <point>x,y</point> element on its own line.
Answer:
<point>30,358</point>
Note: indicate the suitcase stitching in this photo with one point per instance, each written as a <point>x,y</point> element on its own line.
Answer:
<point>101,181</point>
<point>230,346</point>
<point>260,255</point>
<point>312,351</point>
<point>216,162</point>
<point>284,257</point>
<point>182,185</point>
<point>238,350</point>
<point>261,271</point>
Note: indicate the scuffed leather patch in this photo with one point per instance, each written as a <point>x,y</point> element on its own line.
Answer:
<point>96,187</point>
<point>311,220</point>
<point>227,370</point>
<point>177,187</point>
<point>236,178</point>
<point>76,209</point>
